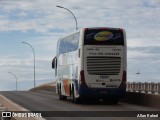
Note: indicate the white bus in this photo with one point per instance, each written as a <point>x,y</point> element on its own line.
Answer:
<point>91,64</point>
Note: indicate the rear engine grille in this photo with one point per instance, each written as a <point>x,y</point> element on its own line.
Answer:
<point>103,65</point>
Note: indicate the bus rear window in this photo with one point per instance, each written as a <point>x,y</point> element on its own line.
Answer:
<point>103,37</point>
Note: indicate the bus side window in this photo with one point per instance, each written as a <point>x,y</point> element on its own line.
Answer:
<point>58,47</point>
<point>62,47</point>
<point>71,42</point>
<point>68,44</point>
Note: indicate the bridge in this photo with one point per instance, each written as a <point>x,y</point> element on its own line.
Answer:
<point>146,87</point>
<point>140,100</point>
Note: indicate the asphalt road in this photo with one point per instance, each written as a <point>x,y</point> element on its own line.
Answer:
<point>48,101</point>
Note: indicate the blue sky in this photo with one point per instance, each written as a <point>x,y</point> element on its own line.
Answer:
<point>40,23</point>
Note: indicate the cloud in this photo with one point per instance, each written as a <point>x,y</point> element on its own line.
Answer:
<point>149,52</point>
<point>41,23</point>
<point>12,61</point>
<point>148,49</point>
<point>23,69</point>
<point>45,14</point>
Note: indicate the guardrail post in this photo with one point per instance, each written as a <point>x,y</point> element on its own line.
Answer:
<point>139,87</point>
<point>146,87</point>
<point>128,86</point>
<point>149,87</point>
<point>133,86</point>
<point>158,88</point>
<point>152,87</point>
<point>143,87</point>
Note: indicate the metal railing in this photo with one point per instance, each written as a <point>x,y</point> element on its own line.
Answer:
<point>146,87</point>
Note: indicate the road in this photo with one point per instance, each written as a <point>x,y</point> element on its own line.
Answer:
<point>48,101</point>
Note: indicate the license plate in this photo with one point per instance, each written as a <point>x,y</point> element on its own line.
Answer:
<point>103,92</point>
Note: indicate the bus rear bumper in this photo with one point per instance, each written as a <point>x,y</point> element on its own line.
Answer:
<point>86,92</point>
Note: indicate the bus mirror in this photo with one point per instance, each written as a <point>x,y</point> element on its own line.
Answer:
<point>54,62</point>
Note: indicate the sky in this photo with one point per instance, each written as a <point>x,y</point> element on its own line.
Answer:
<point>40,23</point>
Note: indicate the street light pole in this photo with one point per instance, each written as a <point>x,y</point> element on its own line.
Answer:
<point>72,14</point>
<point>15,77</point>
<point>33,61</point>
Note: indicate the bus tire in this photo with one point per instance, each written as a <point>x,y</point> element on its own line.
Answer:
<point>112,101</point>
<point>72,95</point>
<point>61,97</point>
<point>73,99</point>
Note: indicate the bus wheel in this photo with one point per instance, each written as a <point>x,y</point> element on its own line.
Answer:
<point>72,96</point>
<point>73,99</point>
<point>61,97</point>
<point>112,101</point>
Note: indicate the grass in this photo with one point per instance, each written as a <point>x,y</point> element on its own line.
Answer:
<point>45,87</point>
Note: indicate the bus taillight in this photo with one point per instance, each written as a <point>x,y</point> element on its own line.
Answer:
<point>82,78</point>
<point>123,83</point>
<point>121,30</point>
<point>103,28</point>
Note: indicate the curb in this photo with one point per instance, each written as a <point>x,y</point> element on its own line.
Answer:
<point>148,100</point>
<point>11,106</point>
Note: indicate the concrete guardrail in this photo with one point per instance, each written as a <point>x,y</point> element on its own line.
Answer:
<point>145,94</point>
<point>146,87</point>
<point>142,99</point>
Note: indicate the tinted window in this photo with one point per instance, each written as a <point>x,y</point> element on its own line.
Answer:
<point>69,43</point>
<point>103,37</point>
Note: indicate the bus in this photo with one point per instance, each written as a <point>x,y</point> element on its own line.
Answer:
<point>91,64</point>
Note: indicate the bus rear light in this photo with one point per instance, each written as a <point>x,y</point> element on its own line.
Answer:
<point>85,29</point>
<point>121,30</point>
<point>95,28</point>
<point>124,79</point>
<point>82,78</point>
<point>103,28</point>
